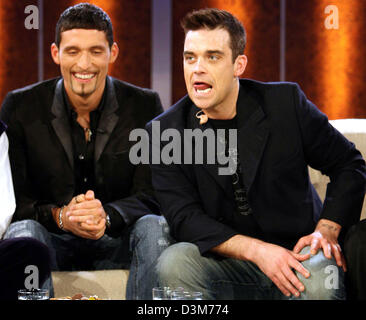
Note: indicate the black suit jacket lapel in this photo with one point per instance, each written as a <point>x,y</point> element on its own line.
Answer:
<point>108,120</point>
<point>252,134</point>
<point>61,123</point>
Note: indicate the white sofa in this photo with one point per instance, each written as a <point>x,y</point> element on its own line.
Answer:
<point>111,284</point>
<point>355,131</point>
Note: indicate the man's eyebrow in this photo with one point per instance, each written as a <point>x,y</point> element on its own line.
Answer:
<point>91,48</point>
<point>215,52</point>
<point>71,48</point>
<point>207,52</point>
<point>98,47</point>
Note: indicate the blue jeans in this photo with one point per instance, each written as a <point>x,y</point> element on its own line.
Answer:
<point>182,265</point>
<point>149,238</point>
<point>145,241</point>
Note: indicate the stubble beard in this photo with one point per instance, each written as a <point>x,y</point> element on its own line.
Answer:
<point>82,91</point>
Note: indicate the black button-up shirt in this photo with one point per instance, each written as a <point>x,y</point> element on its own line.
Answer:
<point>83,151</point>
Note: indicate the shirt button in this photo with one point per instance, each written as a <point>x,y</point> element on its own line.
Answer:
<point>81,157</point>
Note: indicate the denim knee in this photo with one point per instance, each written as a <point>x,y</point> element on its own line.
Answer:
<point>326,281</point>
<point>26,228</point>
<point>149,238</point>
<point>151,228</point>
<point>178,264</point>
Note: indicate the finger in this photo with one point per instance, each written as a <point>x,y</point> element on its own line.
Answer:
<point>327,249</point>
<point>336,250</point>
<point>299,268</point>
<point>94,221</point>
<point>301,257</point>
<point>303,242</point>
<point>91,227</point>
<point>314,247</point>
<point>78,199</point>
<point>88,218</point>
<point>80,232</point>
<point>344,264</point>
<point>294,280</point>
<point>97,234</point>
<point>89,195</point>
<point>287,284</point>
<point>83,218</point>
<point>81,211</point>
<point>90,204</point>
<point>281,287</point>
<point>95,212</point>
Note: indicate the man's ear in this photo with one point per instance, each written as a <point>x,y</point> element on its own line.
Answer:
<point>114,52</point>
<point>240,64</point>
<point>55,53</point>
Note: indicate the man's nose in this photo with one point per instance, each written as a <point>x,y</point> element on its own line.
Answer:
<point>199,66</point>
<point>84,61</point>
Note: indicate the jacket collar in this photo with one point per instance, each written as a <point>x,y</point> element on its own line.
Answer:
<point>251,138</point>
<point>252,133</point>
<point>107,122</point>
<point>61,123</point>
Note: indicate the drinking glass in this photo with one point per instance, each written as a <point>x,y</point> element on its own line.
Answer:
<point>177,295</point>
<point>161,293</point>
<point>34,294</point>
<point>186,295</point>
<point>196,296</point>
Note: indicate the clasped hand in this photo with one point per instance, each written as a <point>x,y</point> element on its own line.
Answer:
<point>85,217</point>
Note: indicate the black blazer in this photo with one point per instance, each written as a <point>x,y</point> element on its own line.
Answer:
<point>40,150</point>
<point>280,133</point>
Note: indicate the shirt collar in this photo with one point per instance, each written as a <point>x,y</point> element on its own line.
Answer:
<point>70,111</point>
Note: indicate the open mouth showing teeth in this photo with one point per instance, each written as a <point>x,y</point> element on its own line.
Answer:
<point>83,76</point>
<point>202,87</point>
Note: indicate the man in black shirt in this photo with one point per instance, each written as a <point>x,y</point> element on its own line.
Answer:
<point>260,231</point>
<point>76,189</point>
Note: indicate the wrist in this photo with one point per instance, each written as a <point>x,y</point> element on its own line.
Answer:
<point>254,249</point>
<point>328,226</point>
<point>239,247</point>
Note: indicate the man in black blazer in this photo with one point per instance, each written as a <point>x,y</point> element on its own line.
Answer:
<point>75,187</point>
<point>261,231</point>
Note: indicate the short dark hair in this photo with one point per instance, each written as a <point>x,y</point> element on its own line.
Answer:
<point>84,16</point>
<point>212,18</point>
